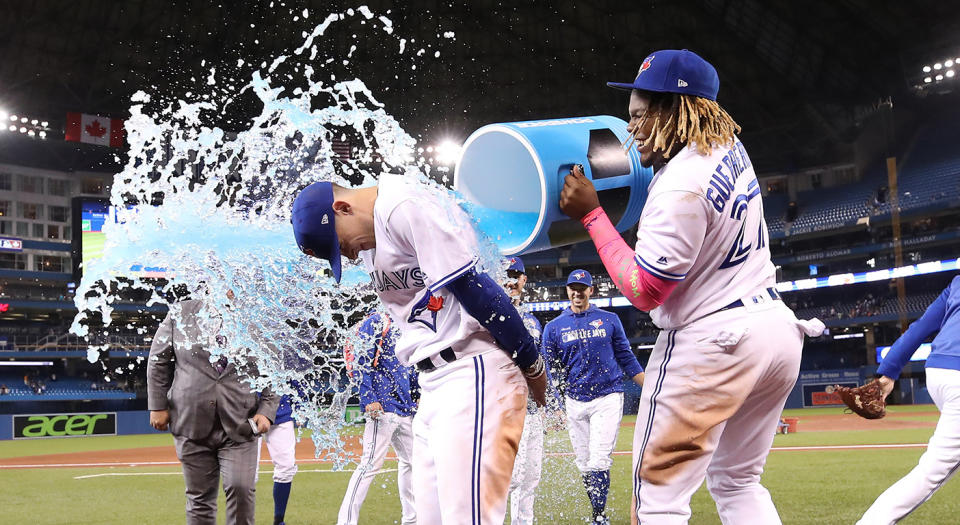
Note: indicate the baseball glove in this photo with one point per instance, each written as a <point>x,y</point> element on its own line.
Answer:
<point>866,401</point>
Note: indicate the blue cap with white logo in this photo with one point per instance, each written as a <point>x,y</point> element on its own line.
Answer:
<point>313,225</point>
<point>516,265</point>
<point>580,277</point>
<point>675,71</point>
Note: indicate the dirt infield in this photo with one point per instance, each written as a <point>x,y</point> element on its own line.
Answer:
<point>146,456</point>
<point>893,420</point>
<point>166,455</point>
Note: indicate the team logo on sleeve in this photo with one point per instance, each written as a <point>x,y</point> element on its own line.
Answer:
<point>425,310</point>
<point>596,323</point>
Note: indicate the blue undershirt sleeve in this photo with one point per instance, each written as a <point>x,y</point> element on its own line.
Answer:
<point>487,302</point>
<point>904,347</point>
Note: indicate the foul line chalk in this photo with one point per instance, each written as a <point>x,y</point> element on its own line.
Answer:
<point>299,471</point>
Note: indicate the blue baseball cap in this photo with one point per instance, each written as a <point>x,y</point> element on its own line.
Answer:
<point>516,264</point>
<point>580,277</point>
<point>313,225</point>
<point>675,71</point>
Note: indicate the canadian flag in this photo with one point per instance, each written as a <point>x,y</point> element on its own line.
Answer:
<point>92,129</point>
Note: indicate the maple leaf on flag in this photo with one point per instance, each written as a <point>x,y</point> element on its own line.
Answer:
<point>95,129</point>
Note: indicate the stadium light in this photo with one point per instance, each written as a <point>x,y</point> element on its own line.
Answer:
<point>939,77</point>
<point>23,129</point>
<point>948,63</point>
<point>926,69</point>
<point>13,117</point>
<point>949,73</point>
<point>13,128</point>
<point>928,80</point>
<point>3,115</point>
<point>447,152</point>
<point>23,119</point>
<point>938,66</point>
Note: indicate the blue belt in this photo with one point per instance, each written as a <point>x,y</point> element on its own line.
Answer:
<point>739,302</point>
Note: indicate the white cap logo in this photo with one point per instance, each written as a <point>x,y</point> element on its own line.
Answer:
<point>324,220</point>
<point>681,82</point>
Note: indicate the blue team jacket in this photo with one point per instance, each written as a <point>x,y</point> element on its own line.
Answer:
<point>589,353</point>
<point>284,411</point>
<point>382,378</point>
<point>942,315</point>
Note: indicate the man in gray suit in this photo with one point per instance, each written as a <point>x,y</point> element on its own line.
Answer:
<point>207,405</point>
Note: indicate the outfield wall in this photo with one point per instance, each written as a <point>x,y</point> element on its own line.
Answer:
<point>52,425</point>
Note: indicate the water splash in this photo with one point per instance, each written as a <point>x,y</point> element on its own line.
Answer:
<point>214,207</point>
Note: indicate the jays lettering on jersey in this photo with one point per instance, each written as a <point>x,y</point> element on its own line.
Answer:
<point>588,353</point>
<point>424,241</point>
<point>702,225</point>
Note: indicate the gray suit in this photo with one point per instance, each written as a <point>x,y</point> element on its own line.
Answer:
<point>208,415</point>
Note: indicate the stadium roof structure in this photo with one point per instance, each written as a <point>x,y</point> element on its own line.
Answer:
<point>796,75</point>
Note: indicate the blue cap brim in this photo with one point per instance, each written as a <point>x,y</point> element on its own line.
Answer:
<point>314,228</point>
<point>622,85</point>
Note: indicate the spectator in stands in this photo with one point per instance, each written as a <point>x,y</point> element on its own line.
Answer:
<point>210,412</point>
<point>4,389</point>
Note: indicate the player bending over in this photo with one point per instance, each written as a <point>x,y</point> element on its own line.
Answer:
<point>729,349</point>
<point>457,326</point>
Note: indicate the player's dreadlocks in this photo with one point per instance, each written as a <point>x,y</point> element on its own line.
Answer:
<point>688,119</point>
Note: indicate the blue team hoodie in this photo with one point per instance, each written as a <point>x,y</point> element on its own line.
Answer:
<point>589,353</point>
<point>382,378</point>
<point>942,315</point>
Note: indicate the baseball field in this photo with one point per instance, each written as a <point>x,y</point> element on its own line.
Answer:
<point>829,472</point>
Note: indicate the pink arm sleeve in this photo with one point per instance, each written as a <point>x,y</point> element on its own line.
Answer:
<point>643,290</point>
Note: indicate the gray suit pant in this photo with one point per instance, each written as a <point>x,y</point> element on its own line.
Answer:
<point>204,462</point>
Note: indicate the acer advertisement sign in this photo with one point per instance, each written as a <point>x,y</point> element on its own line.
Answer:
<point>64,425</point>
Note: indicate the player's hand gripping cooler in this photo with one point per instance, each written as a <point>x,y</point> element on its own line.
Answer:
<point>866,401</point>
<point>512,174</point>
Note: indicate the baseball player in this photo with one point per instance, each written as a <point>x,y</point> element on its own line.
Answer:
<point>386,400</point>
<point>527,467</point>
<point>282,444</point>
<point>457,325</point>
<point>729,349</point>
<point>942,458</point>
<point>587,351</point>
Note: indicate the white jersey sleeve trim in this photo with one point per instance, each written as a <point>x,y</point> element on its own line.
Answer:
<point>424,301</point>
<point>652,270</point>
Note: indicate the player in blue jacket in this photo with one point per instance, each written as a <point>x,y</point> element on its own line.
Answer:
<point>385,396</point>
<point>588,352</point>
<point>942,457</point>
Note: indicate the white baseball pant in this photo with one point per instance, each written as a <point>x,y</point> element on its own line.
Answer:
<point>467,432</point>
<point>282,444</point>
<point>378,434</point>
<point>713,391</point>
<point>526,471</point>
<point>593,427</point>
<point>936,466</point>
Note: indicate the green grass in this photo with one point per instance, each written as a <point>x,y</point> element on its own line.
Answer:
<point>809,487</point>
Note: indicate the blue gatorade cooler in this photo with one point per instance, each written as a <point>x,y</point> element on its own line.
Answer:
<point>512,173</point>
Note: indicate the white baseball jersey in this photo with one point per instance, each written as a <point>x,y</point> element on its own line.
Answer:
<point>424,241</point>
<point>703,225</point>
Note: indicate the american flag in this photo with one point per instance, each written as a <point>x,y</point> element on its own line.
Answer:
<point>342,149</point>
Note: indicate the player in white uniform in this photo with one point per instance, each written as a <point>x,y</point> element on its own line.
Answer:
<point>386,398</point>
<point>457,326</point>
<point>729,350</point>
<point>282,444</point>
<point>529,463</point>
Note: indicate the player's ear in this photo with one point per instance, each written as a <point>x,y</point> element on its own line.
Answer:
<point>342,208</point>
